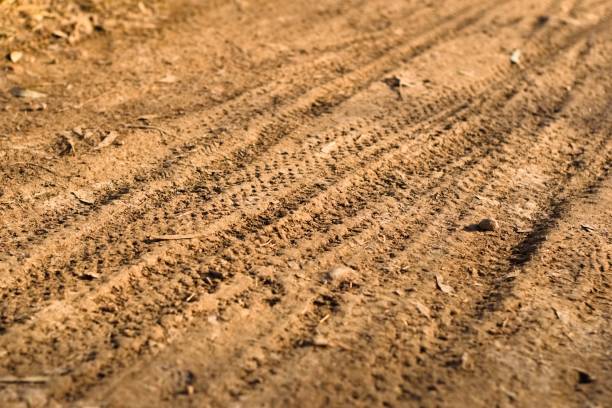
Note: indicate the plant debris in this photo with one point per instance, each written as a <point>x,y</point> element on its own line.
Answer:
<point>422,308</point>
<point>320,341</point>
<point>161,131</point>
<point>32,379</point>
<point>19,92</point>
<point>59,34</point>
<point>397,83</point>
<point>65,144</point>
<point>442,286</point>
<point>84,197</point>
<point>108,140</point>
<point>176,237</point>
<point>392,82</point>
<point>89,276</point>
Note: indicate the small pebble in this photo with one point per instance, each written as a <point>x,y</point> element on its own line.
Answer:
<point>488,224</point>
<point>15,56</point>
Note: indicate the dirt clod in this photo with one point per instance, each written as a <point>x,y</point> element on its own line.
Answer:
<point>584,377</point>
<point>65,144</point>
<point>341,274</point>
<point>488,224</point>
<point>320,341</point>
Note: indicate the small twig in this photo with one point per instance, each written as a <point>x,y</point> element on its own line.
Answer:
<point>82,199</point>
<point>163,132</point>
<point>48,170</point>
<point>342,346</point>
<point>40,166</point>
<point>33,379</point>
<point>156,238</point>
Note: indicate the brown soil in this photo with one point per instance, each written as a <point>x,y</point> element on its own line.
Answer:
<point>279,203</point>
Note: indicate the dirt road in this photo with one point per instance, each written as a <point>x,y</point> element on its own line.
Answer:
<point>274,203</point>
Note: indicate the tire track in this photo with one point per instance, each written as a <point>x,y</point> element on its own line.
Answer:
<point>249,135</point>
<point>288,216</point>
<point>420,288</point>
<point>268,88</point>
<point>235,215</point>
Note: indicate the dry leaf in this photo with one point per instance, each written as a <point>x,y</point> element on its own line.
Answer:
<point>108,140</point>
<point>59,34</point>
<point>78,131</point>
<point>513,275</point>
<point>320,341</point>
<point>393,82</point>
<point>89,276</point>
<point>442,286</point>
<point>422,308</point>
<point>84,197</point>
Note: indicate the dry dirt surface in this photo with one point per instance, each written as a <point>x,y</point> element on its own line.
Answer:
<point>279,203</point>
